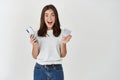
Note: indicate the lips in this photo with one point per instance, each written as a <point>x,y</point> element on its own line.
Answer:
<point>49,23</point>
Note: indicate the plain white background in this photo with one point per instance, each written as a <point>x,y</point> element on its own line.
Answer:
<point>93,52</point>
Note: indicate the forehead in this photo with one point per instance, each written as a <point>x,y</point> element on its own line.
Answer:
<point>49,11</point>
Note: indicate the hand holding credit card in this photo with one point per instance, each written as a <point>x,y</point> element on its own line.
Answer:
<point>66,32</point>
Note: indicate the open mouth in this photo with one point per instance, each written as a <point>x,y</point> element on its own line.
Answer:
<point>49,23</point>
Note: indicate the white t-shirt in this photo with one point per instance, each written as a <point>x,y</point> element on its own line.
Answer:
<point>49,49</point>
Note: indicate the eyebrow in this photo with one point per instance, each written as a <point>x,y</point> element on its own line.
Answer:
<point>46,13</point>
<point>51,13</point>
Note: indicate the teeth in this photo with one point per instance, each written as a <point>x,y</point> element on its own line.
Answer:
<point>49,22</point>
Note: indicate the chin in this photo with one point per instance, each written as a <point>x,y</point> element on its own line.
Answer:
<point>49,26</point>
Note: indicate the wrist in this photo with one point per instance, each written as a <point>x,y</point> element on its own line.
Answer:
<point>62,43</point>
<point>34,44</point>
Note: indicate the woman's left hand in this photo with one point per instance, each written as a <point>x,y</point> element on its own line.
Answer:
<point>66,39</point>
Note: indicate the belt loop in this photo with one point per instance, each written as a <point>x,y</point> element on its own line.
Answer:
<point>54,66</point>
<point>45,66</point>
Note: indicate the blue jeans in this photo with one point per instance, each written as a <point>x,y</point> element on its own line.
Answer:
<point>50,72</point>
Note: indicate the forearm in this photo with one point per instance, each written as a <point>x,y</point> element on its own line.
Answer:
<point>63,50</point>
<point>35,51</point>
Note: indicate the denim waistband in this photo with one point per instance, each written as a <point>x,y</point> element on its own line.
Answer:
<point>48,72</point>
<point>49,65</point>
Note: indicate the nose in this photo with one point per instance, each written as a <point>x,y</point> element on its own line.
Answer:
<point>50,18</point>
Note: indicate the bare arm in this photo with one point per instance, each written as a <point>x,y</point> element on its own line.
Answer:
<point>35,47</point>
<point>63,45</point>
<point>63,50</point>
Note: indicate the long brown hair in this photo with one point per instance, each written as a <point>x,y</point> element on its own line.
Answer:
<point>43,28</point>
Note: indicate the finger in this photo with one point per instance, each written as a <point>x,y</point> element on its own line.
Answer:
<point>31,36</point>
<point>69,37</point>
<point>35,42</point>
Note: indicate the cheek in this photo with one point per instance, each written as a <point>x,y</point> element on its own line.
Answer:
<point>53,19</point>
<point>45,19</point>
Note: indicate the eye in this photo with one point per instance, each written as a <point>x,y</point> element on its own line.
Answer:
<point>53,14</point>
<point>46,15</point>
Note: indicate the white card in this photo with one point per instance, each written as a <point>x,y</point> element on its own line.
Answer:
<point>30,31</point>
<point>66,32</point>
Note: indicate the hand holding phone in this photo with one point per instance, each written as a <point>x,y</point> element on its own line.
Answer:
<point>31,32</point>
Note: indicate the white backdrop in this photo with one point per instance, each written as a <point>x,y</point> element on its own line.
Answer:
<point>93,52</point>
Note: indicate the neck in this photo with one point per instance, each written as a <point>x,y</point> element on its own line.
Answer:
<point>49,28</point>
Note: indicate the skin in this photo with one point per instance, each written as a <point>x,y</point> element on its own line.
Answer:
<point>49,18</point>
<point>49,21</point>
<point>35,47</point>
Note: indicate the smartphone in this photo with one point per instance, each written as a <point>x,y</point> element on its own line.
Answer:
<point>66,32</point>
<point>30,31</point>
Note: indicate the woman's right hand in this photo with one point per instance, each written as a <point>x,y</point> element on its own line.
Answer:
<point>33,40</point>
<point>35,44</point>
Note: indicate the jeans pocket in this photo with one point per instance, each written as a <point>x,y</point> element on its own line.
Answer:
<point>38,73</point>
<point>37,67</point>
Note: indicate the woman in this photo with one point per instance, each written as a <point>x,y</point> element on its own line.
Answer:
<point>50,46</point>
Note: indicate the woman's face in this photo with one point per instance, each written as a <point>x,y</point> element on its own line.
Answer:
<point>49,18</point>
